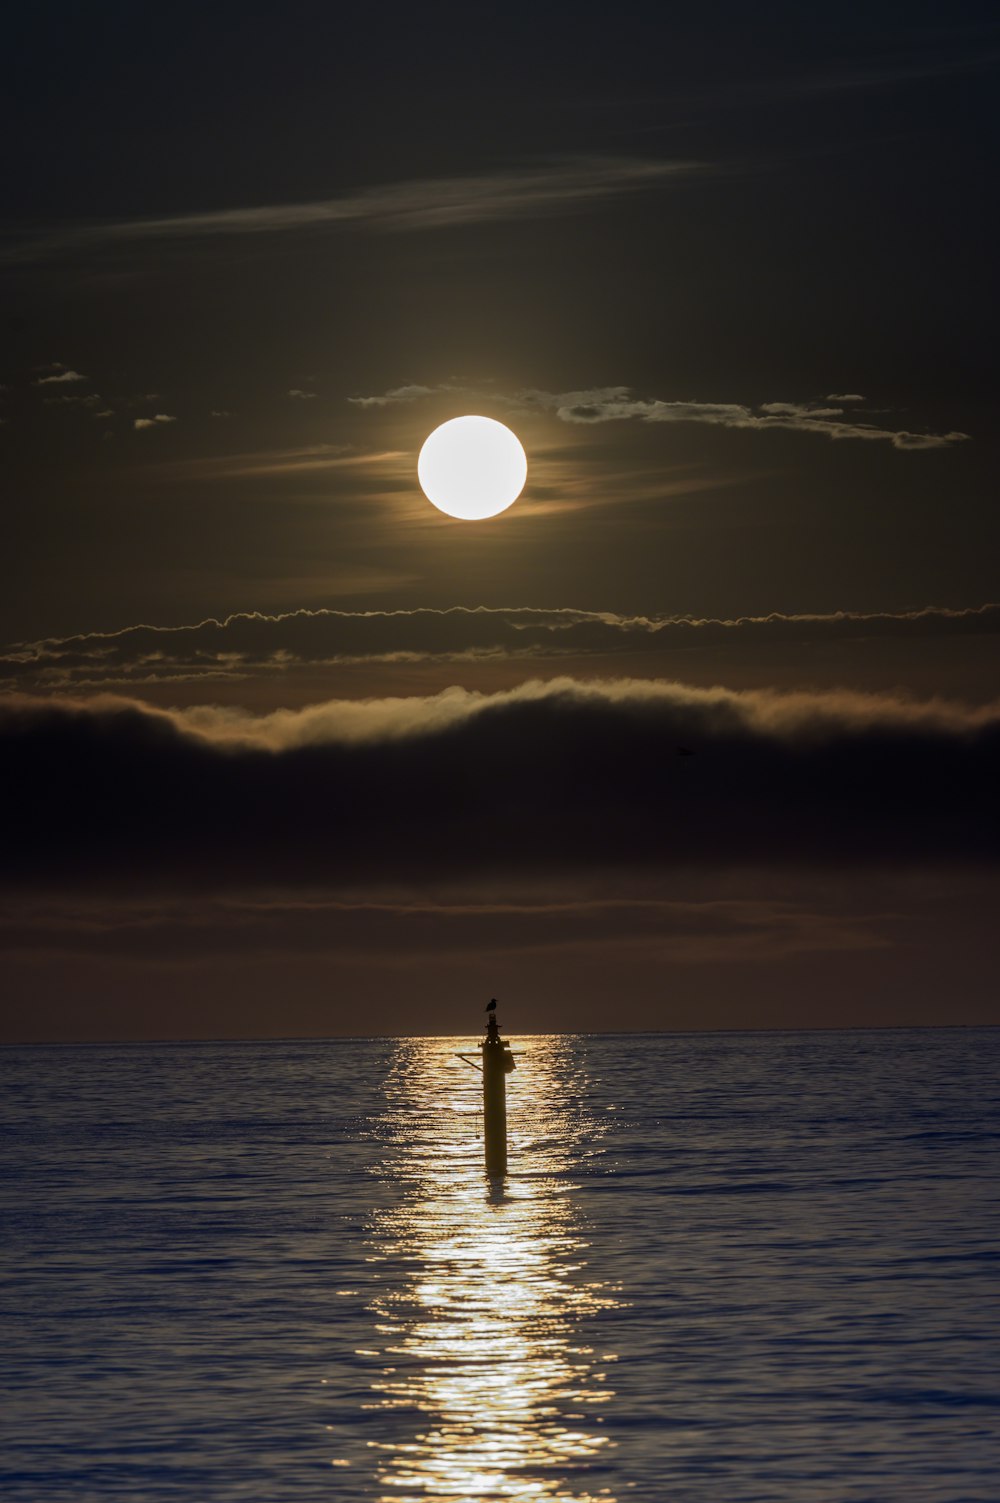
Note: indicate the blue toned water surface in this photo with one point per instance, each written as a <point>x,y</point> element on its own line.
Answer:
<point>724,1267</point>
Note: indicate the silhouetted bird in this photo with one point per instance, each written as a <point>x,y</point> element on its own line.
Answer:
<point>685,751</point>
<point>492,1006</point>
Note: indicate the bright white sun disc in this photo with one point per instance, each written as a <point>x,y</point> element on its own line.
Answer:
<point>472,468</point>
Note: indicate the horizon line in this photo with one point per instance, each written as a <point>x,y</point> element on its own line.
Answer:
<point>375,1038</point>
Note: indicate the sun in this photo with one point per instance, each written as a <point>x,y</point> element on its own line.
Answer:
<point>472,468</point>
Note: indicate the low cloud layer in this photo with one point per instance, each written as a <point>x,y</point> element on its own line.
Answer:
<point>257,643</point>
<point>557,778</point>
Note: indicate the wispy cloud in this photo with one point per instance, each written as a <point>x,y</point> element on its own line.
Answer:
<point>299,395</point>
<point>399,395</point>
<point>550,187</point>
<point>175,930</point>
<point>93,400</point>
<point>61,377</point>
<point>609,404</point>
<point>904,69</point>
<point>92,403</point>
<point>272,645</point>
<point>290,461</point>
<point>157,420</point>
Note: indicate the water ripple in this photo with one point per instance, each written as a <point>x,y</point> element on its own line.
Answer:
<point>758,1268</point>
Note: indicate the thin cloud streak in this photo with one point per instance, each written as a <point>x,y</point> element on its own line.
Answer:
<point>300,460</point>
<point>62,378</point>
<point>159,420</point>
<point>182,932</point>
<point>272,645</point>
<point>894,71</point>
<point>609,404</point>
<point>400,395</point>
<point>555,186</point>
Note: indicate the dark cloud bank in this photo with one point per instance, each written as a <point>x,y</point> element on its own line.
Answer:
<point>253,641</point>
<point>556,778</point>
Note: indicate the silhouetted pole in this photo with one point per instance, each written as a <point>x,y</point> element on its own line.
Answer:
<point>497,1065</point>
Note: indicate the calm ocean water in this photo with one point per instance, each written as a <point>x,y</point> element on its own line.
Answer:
<point>724,1267</point>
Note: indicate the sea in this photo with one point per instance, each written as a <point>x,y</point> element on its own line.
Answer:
<point>723,1267</point>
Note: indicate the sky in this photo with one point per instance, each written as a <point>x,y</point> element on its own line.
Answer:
<point>703,731</point>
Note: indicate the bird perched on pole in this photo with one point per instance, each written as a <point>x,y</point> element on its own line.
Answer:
<point>491,1006</point>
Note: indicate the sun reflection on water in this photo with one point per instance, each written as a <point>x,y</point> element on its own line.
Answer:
<point>491,1385</point>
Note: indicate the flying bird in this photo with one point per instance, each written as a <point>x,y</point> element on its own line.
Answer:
<point>492,1006</point>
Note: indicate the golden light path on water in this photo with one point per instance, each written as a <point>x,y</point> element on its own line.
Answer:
<point>492,1385</point>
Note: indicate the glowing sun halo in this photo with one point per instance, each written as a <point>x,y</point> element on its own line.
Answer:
<point>472,467</point>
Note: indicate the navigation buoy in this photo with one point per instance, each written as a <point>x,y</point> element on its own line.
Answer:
<point>497,1063</point>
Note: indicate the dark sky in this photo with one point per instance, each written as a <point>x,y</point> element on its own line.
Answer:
<point>703,731</point>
